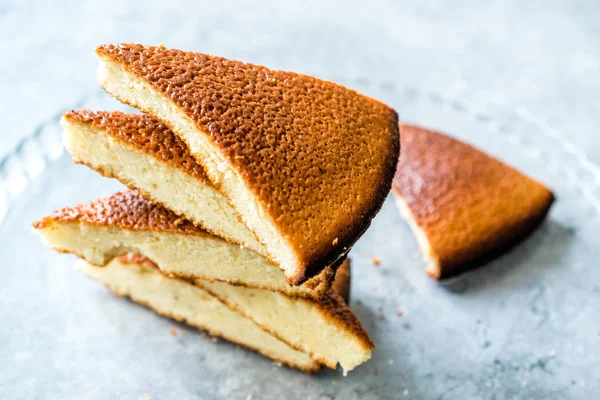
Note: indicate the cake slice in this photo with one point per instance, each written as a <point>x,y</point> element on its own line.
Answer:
<point>140,280</point>
<point>305,163</point>
<point>464,206</point>
<point>325,329</point>
<point>126,222</point>
<point>145,155</point>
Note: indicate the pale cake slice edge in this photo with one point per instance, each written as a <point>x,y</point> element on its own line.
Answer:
<point>464,206</point>
<point>125,222</point>
<point>326,329</point>
<point>146,156</point>
<point>180,300</point>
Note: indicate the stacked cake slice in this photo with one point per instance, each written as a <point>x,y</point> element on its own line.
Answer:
<point>139,279</point>
<point>127,223</point>
<point>247,188</point>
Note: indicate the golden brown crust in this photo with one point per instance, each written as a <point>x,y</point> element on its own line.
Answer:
<point>335,308</point>
<point>156,140</point>
<point>212,332</point>
<point>130,210</point>
<point>319,157</point>
<point>144,134</point>
<point>470,206</point>
<point>321,283</point>
<point>341,283</point>
<point>127,209</point>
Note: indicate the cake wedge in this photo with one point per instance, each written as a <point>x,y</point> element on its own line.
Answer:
<point>145,155</point>
<point>126,222</point>
<point>305,163</point>
<point>324,329</point>
<point>139,279</point>
<point>464,206</point>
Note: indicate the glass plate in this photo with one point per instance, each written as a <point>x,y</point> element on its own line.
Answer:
<point>524,326</point>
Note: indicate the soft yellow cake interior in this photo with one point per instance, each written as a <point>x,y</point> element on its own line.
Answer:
<point>202,256</point>
<point>185,195</point>
<point>132,90</point>
<point>323,329</point>
<point>182,300</point>
<point>432,264</point>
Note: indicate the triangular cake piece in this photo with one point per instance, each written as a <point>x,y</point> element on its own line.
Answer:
<point>138,278</point>
<point>145,155</point>
<point>126,222</point>
<point>324,329</point>
<point>464,206</point>
<point>305,163</point>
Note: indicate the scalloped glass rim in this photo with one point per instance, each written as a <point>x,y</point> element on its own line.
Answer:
<point>527,313</point>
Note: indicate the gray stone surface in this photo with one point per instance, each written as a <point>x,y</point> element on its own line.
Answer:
<point>526,327</point>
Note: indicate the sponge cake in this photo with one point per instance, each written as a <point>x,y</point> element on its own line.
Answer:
<point>126,222</point>
<point>305,163</point>
<point>138,279</point>
<point>463,205</point>
<point>145,155</point>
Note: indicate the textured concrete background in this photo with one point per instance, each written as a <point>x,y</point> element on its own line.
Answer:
<point>544,54</point>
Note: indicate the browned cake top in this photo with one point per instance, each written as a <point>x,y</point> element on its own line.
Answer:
<point>127,209</point>
<point>341,283</point>
<point>318,156</point>
<point>337,311</point>
<point>145,134</point>
<point>468,204</point>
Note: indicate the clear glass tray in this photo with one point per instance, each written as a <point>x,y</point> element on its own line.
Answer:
<point>524,326</point>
